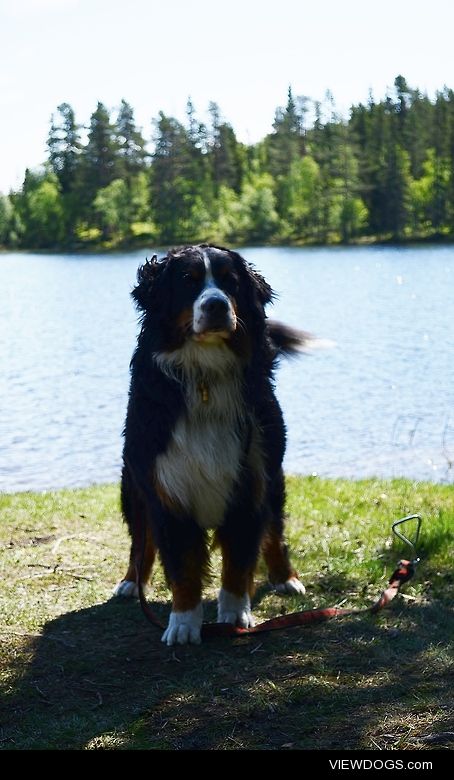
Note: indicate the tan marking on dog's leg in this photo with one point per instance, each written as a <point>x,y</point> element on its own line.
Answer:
<point>187,590</point>
<point>149,555</point>
<point>281,574</point>
<point>235,581</point>
<point>234,600</point>
<point>127,587</point>
<point>276,557</point>
<point>185,620</point>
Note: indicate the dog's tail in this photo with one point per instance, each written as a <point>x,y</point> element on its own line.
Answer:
<point>285,340</point>
<point>289,342</point>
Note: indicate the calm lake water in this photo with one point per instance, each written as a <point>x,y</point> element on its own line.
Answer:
<point>379,402</point>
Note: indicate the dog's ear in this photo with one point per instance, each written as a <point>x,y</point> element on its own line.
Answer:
<point>148,279</point>
<point>256,284</point>
<point>262,288</point>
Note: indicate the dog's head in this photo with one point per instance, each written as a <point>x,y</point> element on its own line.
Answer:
<point>204,294</point>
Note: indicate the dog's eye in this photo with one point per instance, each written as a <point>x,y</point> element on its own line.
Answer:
<point>227,278</point>
<point>192,277</point>
<point>224,272</point>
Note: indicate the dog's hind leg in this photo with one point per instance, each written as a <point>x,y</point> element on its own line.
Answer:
<point>127,587</point>
<point>142,545</point>
<point>282,575</point>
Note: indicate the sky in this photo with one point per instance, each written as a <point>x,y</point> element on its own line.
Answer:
<point>243,54</point>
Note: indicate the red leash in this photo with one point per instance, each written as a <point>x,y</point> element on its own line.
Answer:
<point>404,572</point>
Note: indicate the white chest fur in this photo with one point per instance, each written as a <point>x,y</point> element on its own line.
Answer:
<point>201,465</point>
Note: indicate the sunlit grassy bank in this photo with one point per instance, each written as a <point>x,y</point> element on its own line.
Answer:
<point>82,671</point>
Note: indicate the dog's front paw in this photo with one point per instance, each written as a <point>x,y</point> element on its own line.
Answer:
<point>235,609</point>
<point>126,589</point>
<point>184,627</point>
<point>292,587</point>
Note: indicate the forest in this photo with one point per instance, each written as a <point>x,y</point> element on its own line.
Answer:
<point>384,174</point>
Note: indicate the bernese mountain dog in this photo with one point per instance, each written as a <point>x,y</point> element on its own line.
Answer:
<point>204,435</point>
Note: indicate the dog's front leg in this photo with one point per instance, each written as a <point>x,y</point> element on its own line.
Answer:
<point>234,600</point>
<point>238,566</point>
<point>185,560</point>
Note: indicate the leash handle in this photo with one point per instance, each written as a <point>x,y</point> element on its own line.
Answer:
<point>412,544</point>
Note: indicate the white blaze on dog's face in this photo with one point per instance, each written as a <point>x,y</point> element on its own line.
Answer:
<point>213,313</point>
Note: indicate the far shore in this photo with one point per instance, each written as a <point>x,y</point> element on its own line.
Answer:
<point>149,243</point>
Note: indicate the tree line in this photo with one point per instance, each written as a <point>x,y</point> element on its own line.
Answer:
<point>386,172</point>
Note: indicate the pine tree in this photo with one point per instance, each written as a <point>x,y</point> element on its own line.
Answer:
<point>64,147</point>
<point>196,130</point>
<point>419,131</point>
<point>224,151</point>
<point>170,190</point>
<point>450,199</point>
<point>402,108</point>
<point>442,172</point>
<point>100,155</point>
<point>371,127</point>
<point>131,153</point>
<point>287,143</point>
<point>331,143</point>
<point>197,166</point>
<point>396,191</point>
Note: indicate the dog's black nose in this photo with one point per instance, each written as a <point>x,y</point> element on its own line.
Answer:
<point>215,306</point>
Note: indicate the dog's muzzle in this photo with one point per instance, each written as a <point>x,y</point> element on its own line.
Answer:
<point>214,313</point>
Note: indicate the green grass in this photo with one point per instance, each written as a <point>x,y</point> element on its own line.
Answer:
<point>80,670</point>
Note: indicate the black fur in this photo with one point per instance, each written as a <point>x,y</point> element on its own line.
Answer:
<point>166,288</point>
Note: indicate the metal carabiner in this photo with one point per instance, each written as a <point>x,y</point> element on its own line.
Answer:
<point>413,545</point>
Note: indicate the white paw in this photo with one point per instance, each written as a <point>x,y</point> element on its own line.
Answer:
<point>292,587</point>
<point>127,589</point>
<point>184,627</point>
<point>235,609</point>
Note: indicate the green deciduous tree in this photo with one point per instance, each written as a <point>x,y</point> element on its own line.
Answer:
<point>301,192</point>
<point>111,205</point>
<point>352,218</point>
<point>6,219</point>
<point>259,218</point>
<point>119,205</point>
<point>422,195</point>
<point>41,211</point>
<point>229,218</point>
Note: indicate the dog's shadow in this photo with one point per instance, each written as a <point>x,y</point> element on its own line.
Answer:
<point>100,677</point>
